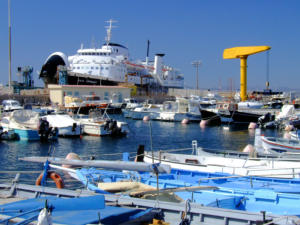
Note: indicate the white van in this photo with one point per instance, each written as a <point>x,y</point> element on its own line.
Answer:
<point>10,105</point>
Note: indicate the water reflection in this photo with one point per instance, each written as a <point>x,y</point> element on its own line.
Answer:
<point>165,135</point>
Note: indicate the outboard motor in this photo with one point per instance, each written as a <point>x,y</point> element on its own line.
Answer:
<point>1,132</point>
<point>115,130</point>
<point>74,127</point>
<point>53,132</point>
<point>44,129</point>
<point>265,119</point>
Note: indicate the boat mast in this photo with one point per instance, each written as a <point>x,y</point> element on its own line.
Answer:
<point>108,31</point>
<point>9,47</point>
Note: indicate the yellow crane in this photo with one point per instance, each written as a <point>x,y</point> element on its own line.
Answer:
<point>242,53</point>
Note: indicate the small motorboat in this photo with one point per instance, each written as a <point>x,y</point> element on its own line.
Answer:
<point>27,125</point>
<point>65,124</point>
<point>280,145</point>
<point>184,185</point>
<point>102,126</point>
<point>177,111</point>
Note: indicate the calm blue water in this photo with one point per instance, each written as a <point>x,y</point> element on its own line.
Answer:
<point>165,135</point>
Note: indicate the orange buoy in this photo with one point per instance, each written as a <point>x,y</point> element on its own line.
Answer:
<point>54,176</point>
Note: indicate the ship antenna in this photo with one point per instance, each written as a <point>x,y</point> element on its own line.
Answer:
<point>147,57</point>
<point>108,30</point>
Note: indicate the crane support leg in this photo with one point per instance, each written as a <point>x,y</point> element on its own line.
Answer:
<point>243,91</point>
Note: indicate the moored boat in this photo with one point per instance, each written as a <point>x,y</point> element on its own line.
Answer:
<point>178,110</point>
<point>66,125</point>
<point>280,145</point>
<point>99,126</point>
<point>82,210</point>
<point>170,212</point>
<point>231,162</point>
<point>27,125</point>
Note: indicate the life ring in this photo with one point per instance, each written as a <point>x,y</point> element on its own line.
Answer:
<point>54,176</point>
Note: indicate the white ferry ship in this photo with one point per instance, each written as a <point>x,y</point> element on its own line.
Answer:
<point>110,65</point>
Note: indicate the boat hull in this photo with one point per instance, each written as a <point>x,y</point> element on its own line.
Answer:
<point>27,134</point>
<point>280,145</point>
<point>178,117</point>
<point>203,162</point>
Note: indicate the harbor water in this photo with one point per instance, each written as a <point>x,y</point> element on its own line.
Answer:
<point>165,136</point>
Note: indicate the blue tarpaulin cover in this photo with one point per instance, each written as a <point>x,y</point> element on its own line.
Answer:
<point>83,210</point>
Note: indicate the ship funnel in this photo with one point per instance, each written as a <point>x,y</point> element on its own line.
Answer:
<point>158,64</point>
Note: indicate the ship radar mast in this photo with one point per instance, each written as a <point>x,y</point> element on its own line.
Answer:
<point>108,30</point>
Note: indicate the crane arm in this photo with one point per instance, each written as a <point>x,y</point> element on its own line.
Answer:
<point>239,52</point>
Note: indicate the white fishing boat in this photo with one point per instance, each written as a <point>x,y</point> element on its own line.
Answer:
<point>66,125</point>
<point>280,145</point>
<point>179,110</point>
<point>100,126</point>
<point>231,162</point>
<point>131,103</point>
<point>150,110</point>
<point>110,65</point>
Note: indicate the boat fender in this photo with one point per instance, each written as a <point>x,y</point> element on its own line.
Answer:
<point>252,125</point>
<point>289,127</point>
<point>71,156</point>
<point>185,121</point>
<point>203,123</point>
<point>146,118</point>
<point>54,176</point>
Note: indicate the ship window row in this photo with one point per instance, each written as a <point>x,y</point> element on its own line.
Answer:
<point>92,68</point>
<point>93,53</point>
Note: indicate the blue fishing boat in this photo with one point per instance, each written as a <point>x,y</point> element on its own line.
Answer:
<point>83,210</point>
<point>238,198</point>
<point>90,175</point>
<point>264,195</point>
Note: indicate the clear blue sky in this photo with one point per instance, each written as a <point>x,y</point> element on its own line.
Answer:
<point>184,30</point>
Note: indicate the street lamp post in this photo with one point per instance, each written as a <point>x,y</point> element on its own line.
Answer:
<point>197,64</point>
<point>9,47</point>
